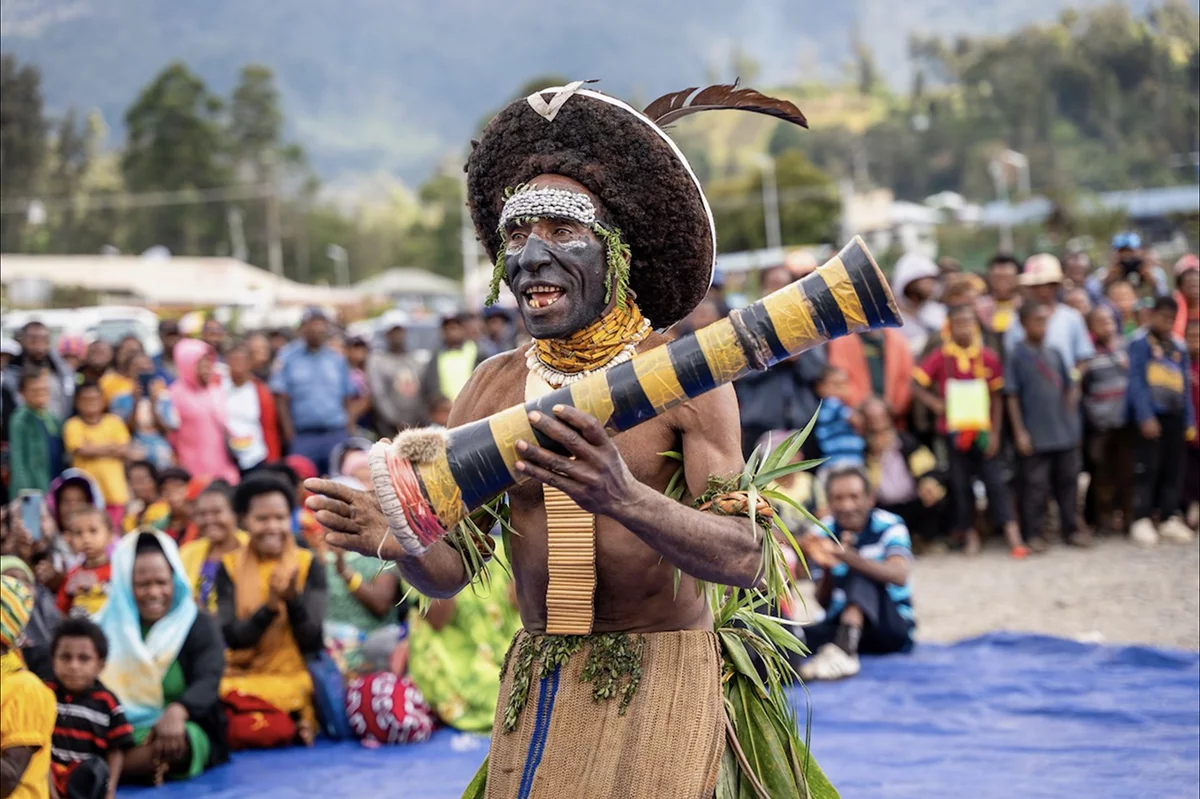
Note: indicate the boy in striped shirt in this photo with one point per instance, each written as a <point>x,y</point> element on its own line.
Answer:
<point>91,735</point>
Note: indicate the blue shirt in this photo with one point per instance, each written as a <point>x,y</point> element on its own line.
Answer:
<point>317,383</point>
<point>884,536</point>
<point>1160,379</point>
<point>1065,332</point>
<point>840,443</point>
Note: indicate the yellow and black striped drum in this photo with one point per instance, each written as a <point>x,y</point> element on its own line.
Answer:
<point>848,294</point>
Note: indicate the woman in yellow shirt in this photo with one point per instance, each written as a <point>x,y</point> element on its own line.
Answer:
<point>271,606</point>
<point>219,536</point>
<point>28,708</point>
<point>98,444</point>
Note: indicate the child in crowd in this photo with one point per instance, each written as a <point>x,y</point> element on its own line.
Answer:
<point>85,589</point>
<point>1103,380</point>
<point>836,430</point>
<point>1078,299</point>
<point>1043,403</point>
<point>1122,298</point>
<point>173,490</point>
<point>1159,403</point>
<point>439,411</point>
<point>92,735</point>
<point>146,507</point>
<point>960,382</point>
<point>152,414</point>
<point>1191,483</point>
<point>98,443</point>
<point>35,442</point>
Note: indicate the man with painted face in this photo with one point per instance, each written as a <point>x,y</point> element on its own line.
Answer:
<point>613,688</point>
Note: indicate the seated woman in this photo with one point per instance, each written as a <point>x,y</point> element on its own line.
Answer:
<point>217,528</point>
<point>165,660</point>
<point>457,648</point>
<point>904,475</point>
<point>271,605</point>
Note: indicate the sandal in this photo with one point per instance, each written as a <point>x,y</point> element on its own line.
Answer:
<point>1038,545</point>
<point>1019,552</point>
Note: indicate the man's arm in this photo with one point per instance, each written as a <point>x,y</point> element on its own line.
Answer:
<point>894,570</point>
<point>283,411</point>
<point>719,549</point>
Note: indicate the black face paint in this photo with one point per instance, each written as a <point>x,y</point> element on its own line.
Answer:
<point>576,267</point>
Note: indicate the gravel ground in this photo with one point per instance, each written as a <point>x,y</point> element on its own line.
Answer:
<point>1112,593</point>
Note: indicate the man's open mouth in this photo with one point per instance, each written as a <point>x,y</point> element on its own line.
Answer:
<point>542,295</point>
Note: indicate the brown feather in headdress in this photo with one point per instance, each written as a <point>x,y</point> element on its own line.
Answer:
<point>725,97</point>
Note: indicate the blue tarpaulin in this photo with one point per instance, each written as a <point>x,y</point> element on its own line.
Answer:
<point>995,717</point>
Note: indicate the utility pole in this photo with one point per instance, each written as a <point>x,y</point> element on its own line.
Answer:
<point>341,263</point>
<point>274,239</point>
<point>1000,177</point>
<point>770,190</point>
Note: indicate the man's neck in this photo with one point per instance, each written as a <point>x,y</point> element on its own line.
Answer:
<point>94,420</point>
<point>239,381</point>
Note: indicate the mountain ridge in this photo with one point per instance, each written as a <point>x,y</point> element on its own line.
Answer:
<point>374,86</point>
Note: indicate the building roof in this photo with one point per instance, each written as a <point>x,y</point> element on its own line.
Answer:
<point>1137,204</point>
<point>175,280</point>
<point>403,280</point>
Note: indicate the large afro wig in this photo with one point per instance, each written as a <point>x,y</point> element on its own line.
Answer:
<point>646,187</point>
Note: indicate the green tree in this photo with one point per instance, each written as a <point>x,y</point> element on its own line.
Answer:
<point>22,143</point>
<point>175,142</point>
<point>258,153</point>
<point>808,206</point>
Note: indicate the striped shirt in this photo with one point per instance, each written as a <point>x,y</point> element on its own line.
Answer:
<point>885,535</point>
<point>90,724</point>
<point>840,443</point>
<point>1105,379</point>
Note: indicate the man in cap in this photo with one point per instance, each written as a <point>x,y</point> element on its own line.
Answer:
<point>312,388</point>
<point>614,688</point>
<point>1131,263</point>
<point>28,709</point>
<point>394,378</point>
<point>1066,332</point>
<point>452,364</point>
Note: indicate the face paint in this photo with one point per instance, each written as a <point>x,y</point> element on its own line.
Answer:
<point>557,272</point>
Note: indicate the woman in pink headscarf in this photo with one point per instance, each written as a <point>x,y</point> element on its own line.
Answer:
<point>200,440</point>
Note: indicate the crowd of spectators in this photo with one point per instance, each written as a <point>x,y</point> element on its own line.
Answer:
<point>1028,399</point>
<point>168,587</point>
<point>179,603</point>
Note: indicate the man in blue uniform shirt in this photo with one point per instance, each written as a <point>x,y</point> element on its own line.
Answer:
<point>865,586</point>
<point>311,383</point>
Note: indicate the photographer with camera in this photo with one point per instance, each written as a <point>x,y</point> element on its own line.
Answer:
<point>1132,264</point>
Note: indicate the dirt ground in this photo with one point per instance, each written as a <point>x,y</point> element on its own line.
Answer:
<point>1112,593</point>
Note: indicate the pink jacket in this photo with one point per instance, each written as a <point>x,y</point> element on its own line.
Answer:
<point>200,441</point>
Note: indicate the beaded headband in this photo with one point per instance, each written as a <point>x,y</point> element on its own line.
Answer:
<point>532,202</point>
<point>527,203</point>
